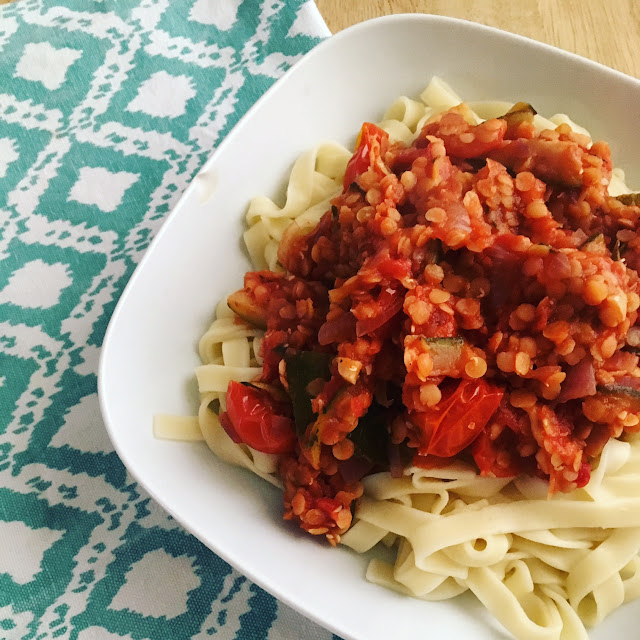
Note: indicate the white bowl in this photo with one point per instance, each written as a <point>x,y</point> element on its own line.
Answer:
<point>149,351</point>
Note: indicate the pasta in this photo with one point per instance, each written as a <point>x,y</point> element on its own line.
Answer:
<point>544,566</point>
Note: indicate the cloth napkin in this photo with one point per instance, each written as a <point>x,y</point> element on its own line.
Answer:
<point>107,110</point>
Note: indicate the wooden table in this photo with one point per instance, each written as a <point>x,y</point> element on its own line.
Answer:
<point>607,31</point>
<point>604,30</point>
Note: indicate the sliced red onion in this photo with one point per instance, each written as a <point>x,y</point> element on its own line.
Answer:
<point>559,265</point>
<point>580,381</point>
<point>458,221</point>
<point>621,361</point>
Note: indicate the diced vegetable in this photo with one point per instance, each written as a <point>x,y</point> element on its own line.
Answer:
<point>619,389</point>
<point>629,199</point>
<point>339,329</point>
<point>445,354</point>
<point>554,161</point>
<point>521,113</point>
<point>630,395</point>
<point>243,304</point>
<point>580,381</point>
<point>619,249</point>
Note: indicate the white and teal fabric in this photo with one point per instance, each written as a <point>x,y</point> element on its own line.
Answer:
<point>107,110</point>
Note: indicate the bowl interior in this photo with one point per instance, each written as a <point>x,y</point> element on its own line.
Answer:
<point>150,349</point>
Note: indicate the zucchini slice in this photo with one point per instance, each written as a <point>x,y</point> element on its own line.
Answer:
<point>245,306</point>
<point>445,354</point>
<point>622,392</point>
<point>632,199</point>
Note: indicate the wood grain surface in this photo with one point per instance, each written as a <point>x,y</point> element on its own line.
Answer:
<point>607,31</point>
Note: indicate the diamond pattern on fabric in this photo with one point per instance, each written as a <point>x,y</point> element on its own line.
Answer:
<point>43,63</point>
<point>107,111</point>
<point>101,187</point>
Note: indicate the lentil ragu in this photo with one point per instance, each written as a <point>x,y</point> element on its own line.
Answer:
<point>473,295</point>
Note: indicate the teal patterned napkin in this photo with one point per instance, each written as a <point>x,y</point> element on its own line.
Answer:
<point>107,110</point>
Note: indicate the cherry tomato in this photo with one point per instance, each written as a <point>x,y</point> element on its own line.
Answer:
<point>389,305</point>
<point>258,419</point>
<point>369,135</point>
<point>457,420</point>
<point>226,424</point>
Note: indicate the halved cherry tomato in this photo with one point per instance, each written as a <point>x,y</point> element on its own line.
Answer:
<point>258,419</point>
<point>389,304</point>
<point>370,135</point>
<point>226,424</point>
<point>457,420</point>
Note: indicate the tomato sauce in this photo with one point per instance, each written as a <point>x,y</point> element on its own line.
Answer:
<point>471,295</point>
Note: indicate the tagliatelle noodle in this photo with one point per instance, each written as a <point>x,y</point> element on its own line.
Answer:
<point>544,567</point>
<point>576,563</point>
